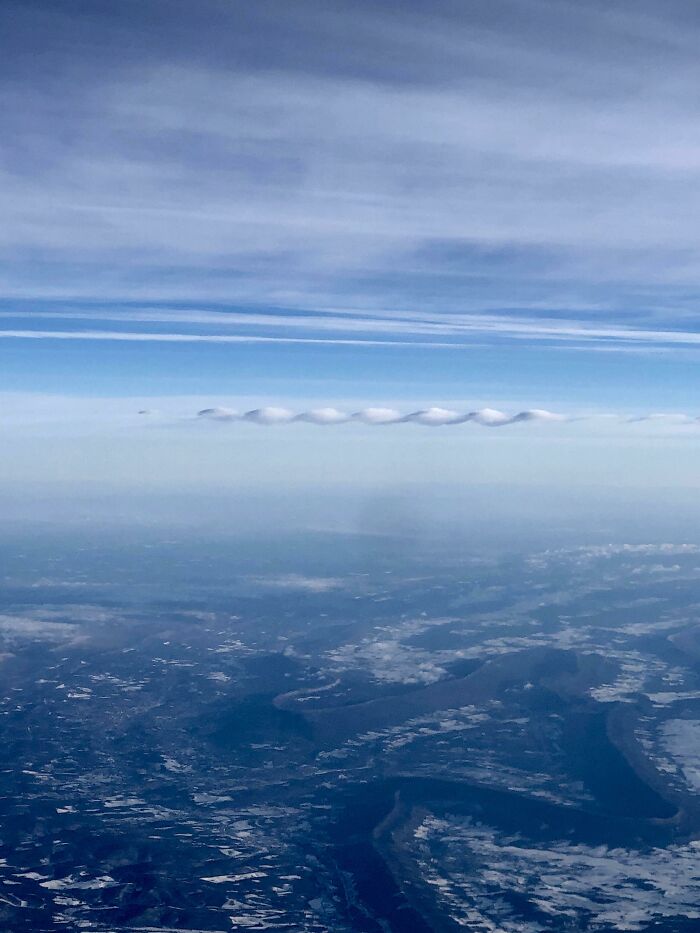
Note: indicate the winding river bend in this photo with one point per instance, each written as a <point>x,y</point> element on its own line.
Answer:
<point>383,887</point>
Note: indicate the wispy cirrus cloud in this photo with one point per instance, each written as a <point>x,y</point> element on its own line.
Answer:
<point>529,156</point>
<point>448,330</point>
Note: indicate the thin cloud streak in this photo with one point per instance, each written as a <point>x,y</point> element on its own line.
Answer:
<point>363,330</point>
<point>135,337</point>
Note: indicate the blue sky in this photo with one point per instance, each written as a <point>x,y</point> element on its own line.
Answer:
<point>346,204</point>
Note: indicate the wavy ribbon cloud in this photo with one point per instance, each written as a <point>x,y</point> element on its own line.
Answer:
<point>430,417</point>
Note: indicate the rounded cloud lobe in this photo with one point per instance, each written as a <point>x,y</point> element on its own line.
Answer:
<point>218,414</point>
<point>323,416</point>
<point>378,416</point>
<point>270,415</point>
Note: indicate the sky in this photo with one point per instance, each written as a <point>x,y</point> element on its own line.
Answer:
<point>443,207</point>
